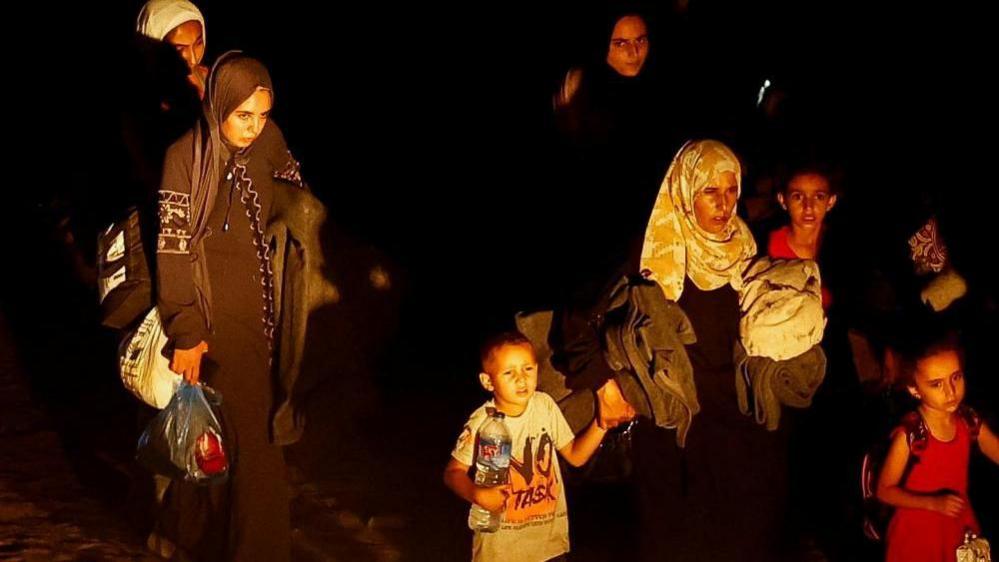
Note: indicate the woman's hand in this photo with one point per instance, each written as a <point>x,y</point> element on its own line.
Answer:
<point>187,362</point>
<point>612,408</point>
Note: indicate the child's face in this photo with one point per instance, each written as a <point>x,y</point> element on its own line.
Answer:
<point>939,381</point>
<point>512,377</point>
<point>807,200</point>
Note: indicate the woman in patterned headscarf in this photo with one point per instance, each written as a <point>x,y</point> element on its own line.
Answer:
<point>721,496</point>
<point>694,233</point>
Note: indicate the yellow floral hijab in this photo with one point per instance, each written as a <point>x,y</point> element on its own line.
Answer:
<point>675,245</point>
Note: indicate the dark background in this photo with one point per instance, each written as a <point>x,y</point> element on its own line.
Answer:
<point>426,129</point>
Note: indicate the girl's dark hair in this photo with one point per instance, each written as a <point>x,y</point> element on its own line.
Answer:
<point>924,339</point>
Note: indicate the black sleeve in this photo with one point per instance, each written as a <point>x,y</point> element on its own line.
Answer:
<point>177,297</point>
<point>286,167</point>
<point>578,350</point>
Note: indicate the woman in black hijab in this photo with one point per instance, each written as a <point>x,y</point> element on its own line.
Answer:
<point>216,297</point>
<point>603,97</point>
<point>616,140</point>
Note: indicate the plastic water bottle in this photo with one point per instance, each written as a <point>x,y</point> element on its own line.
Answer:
<point>492,468</point>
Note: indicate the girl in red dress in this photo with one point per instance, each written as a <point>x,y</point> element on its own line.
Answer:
<point>925,475</point>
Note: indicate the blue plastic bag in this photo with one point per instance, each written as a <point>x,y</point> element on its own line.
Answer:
<point>184,441</point>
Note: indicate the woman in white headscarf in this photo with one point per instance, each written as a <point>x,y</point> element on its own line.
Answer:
<point>721,496</point>
<point>179,23</point>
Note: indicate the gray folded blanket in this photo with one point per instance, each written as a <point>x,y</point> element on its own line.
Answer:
<point>645,335</point>
<point>763,384</point>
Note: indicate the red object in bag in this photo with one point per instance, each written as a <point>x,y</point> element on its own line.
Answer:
<point>209,454</point>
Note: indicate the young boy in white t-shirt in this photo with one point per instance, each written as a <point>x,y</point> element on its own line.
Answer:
<point>535,526</point>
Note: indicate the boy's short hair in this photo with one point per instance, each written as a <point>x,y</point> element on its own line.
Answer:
<point>800,167</point>
<point>496,341</point>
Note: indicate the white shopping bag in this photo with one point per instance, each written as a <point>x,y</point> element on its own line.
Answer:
<point>145,372</point>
